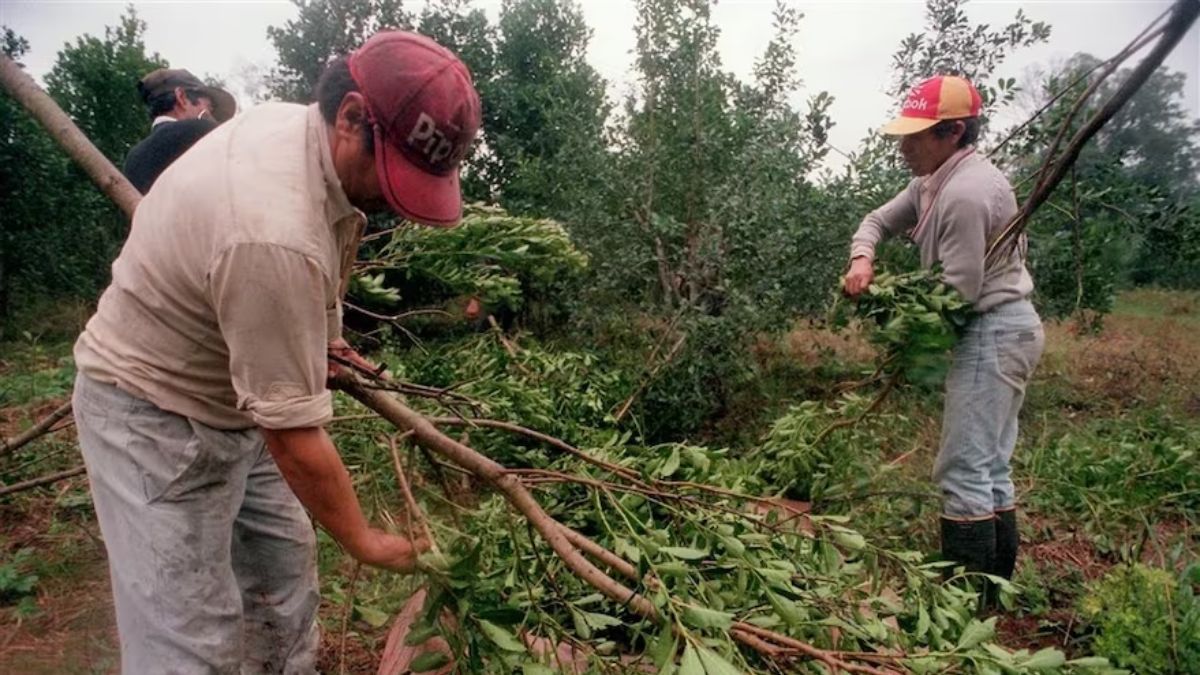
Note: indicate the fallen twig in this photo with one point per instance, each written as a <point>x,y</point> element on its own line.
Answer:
<point>38,482</point>
<point>43,427</point>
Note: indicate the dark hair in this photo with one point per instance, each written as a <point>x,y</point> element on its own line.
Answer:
<point>970,130</point>
<point>164,103</point>
<point>333,85</point>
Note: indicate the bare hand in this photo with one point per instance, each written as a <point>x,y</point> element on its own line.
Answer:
<point>342,349</point>
<point>389,551</point>
<point>860,276</point>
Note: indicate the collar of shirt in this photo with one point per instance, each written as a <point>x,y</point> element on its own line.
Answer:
<point>162,119</point>
<point>933,182</point>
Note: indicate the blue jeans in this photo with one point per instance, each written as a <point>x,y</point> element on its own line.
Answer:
<point>993,363</point>
<point>212,557</point>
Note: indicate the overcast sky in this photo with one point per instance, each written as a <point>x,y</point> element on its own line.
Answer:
<point>845,46</point>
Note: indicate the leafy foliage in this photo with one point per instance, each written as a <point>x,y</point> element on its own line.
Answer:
<point>322,30</point>
<point>1118,476</point>
<point>59,235</point>
<point>917,319</point>
<point>17,583</point>
<point>1146,620</point>
<point>502,260</point>
<point>717,559</point>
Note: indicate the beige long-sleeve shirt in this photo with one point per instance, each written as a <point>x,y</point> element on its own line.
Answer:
<point>952,215</point>
<point>227,292</point>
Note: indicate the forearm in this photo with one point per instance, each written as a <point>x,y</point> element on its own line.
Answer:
<point>312,468</point>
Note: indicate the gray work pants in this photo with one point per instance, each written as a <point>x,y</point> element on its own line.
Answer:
<point>993,363</point>
<point>212,557</point>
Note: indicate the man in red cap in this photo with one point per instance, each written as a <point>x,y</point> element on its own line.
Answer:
<point>201,396</point>
<point>955,206</point>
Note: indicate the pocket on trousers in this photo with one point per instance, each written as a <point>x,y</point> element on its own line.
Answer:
<point>1018,352</point>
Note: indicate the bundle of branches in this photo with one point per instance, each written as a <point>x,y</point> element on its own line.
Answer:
<point>502,261</point>
<point>663,558</point>
<point>914,318</point>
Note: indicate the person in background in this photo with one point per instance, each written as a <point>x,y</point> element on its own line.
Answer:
<point>182,109</point>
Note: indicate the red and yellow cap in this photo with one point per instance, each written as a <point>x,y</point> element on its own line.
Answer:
<point>943,97</point>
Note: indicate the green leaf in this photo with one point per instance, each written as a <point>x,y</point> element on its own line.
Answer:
<point>851,540</point>
<point>715,664</point>
<point>786,609</point>
<point>429,661</point>
<point>1090,662</point>
<point>683,552</point>
<point>419,635</point>
<point>372,616</point>
<point>502,637</point>
<point>703,617</point>
<point>537,669</point>
<point>733,545</point>
<point>1045,659</point>
<point>600,621</point>
<point>922,620</point>
<point>671,465</point>
<point>690,663</point>
<point>975,633</point>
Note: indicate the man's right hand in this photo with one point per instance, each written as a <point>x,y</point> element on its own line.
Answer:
<point>389,551</point>
<point>860,276</point>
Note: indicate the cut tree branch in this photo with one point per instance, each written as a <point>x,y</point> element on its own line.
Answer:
<point>1183,15</point>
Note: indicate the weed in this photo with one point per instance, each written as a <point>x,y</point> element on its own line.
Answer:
<point>18,583</point>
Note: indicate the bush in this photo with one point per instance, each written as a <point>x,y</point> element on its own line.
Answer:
<point>1146,620</point>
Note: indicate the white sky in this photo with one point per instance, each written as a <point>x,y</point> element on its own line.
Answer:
<point>845,46</point>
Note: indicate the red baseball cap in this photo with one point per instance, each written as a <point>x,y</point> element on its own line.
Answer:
<point>423,106</point>
<point>944,97</point>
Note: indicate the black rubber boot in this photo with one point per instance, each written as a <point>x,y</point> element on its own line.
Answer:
<point>972,544</point>
<point>1007,543</point>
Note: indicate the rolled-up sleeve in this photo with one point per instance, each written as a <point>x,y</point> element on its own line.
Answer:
<point>270,305</point>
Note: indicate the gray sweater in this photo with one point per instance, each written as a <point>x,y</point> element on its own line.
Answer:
<point>952,215</point>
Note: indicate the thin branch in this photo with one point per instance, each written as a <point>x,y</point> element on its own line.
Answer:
<point>841,424</point>
<point>675,349</point>
<point>1132,48</point>
<point>43,427</point>
<point>38,482</point>
<point>413,509</point>
<point>393,318</point>
<point>624,472</point>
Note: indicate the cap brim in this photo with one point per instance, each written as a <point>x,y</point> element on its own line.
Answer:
<point>418,196</point>
<point>903,126</point>
<point>224,106</point>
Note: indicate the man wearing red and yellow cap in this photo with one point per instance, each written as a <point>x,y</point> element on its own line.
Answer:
<point>201,397</point>
<point>957,203</point>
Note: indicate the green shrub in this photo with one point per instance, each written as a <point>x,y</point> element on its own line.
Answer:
<point>1146,620</point>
